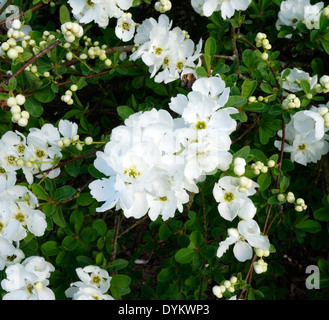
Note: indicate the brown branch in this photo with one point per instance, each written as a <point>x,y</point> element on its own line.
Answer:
<point>34,58</point>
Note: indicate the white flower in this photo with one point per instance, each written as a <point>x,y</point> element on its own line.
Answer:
<point>87,11</point>
<point>95,282</point>
<point>168,53</point>
<point>294,78</point>
<point>28,281</point>
<point>312,15</point>
<point>85,292</point>
<point>67,128</point>
<point>291,12</point>
<point>246,236</point>
<point>305,137</point>
<point>232,202</point>
<point>125,28</point>
<point>227,7</point>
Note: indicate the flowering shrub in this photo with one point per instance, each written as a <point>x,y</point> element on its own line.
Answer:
<point>148,153</point>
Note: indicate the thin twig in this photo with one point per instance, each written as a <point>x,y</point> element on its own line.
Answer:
<point>114,253</point>
<point>34,58</point>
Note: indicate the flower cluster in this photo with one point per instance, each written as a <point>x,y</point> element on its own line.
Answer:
<point>18,216</point>
<point>246,236</point>
<point>161,48</point>
<point>305,137</point>
<point>94,284</point>
<point>290,198</point>
<point>98,11</point>
<point>13,46</point>
<point>28,280</point>
<point>154,160</point>
<point>260,266</point>
<point>259,167</point>
<point>71,31</point>
<point>162,6</point>
<point>291,102</point>
<point>294,11</point>
<point>227,285</point>
<point>227,7</point>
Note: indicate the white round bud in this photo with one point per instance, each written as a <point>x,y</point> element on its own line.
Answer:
<point>12,54</point>
<point>11,102</point>
<point>20,99</point>
<point>25,114</point>
<point>88,140</point>
<point>22,122</point>
<point>15,109</point>
<point>239,170</point>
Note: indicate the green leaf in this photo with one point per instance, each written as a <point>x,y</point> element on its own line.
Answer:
<point>322,214</point>
<point>196,239</point>
<point>63,193</point>
<point>242,153</point>
<point>184,255</point>
<point>264,181</point>
<point>88,234</point>
<point>255,107</point>
<point>164,232</point>
<point>69,243</point>
<point>85,199</point>
<point>208,251</point>
<point>248,88</point>
<point>201,72</point>
<point>58,217</point>
<point>72,168</point>
<point>118,265</point>
<point>40,192</point>
<point>305,85</point>
<point>33,106</point>
<point>325,45</point>
<point>210,47</point>
<point>125,112</point>
<point>120,281</point>
<point>64,14</point>
<point>236,101</point>
<point>100,226</point>
<point>310,226</point>
<point>50,248</point>
<point>266,88</point>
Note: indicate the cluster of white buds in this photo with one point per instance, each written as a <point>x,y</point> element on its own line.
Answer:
<point>260,266</point>
<point>290,198</point>
<point>291,102</point>
<point>244,184</point>
<point>162,6</point>
<point>11,47</point>
<point>94,50</point>
<point>262,41</point>
<point>67,97</point>
<point>239,166</point>
<point>46,39</point>
<point>323,110</point>
<point>75,141</point>
<point>227,285</point>
<point>19,116</point>
<point>71,32</point>
<point>253,99</point>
